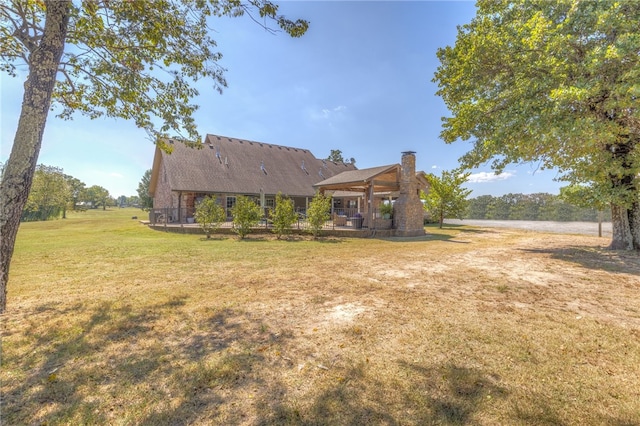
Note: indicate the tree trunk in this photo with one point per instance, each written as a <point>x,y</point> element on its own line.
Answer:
<point>44,60</point>
<point>626,227</point>
<point>634,224</point>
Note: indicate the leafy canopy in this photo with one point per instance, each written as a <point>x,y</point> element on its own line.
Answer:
<point>446,197</point>
<point>49,194</point>
<point>146,201</point>
<point>318,213</point>
<point>135,60</point>
<point>210,214</point>
<point>554,82</point>
<point>283,216</point>
<point>246,214</point>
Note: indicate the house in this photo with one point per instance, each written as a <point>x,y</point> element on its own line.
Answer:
<point>229,167</point>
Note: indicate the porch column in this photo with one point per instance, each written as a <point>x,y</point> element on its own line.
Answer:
<point>370,207</point>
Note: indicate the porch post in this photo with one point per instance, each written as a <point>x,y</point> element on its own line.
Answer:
<point>370,207</point>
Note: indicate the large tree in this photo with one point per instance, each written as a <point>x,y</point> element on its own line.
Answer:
<point>97,196</point>
<point>49,194</point>
<point>128,59</point>
<point>554,82</point>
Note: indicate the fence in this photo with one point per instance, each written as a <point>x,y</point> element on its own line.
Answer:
<point>338,219</point>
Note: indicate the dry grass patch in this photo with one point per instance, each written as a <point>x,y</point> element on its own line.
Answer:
<point>112,323</point>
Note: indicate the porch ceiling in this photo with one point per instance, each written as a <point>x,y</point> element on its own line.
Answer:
<point>383,179</point>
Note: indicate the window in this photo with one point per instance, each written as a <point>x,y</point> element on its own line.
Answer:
<point>270,203</point>
<point>231,202</point>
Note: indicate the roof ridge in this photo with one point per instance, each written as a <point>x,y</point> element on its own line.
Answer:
<point>231,139</point>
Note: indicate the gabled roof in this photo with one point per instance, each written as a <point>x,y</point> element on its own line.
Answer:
<point>384,178</point>
<point>237,166</point>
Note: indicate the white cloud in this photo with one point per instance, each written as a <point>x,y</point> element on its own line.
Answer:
<point>328,113</point>
<point>116,175</point>
<point>484,177</point>
<point>434,167</point>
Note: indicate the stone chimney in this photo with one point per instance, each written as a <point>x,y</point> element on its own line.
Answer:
<point>408,213</point>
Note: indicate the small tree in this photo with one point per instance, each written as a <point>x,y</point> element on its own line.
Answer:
<point>246,214</point>
<point>446,198</point>
<point>209,215</point>
<point>283,216</point>
<point>318,213</point>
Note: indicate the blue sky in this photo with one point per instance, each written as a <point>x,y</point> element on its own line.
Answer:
<point>358,81</point>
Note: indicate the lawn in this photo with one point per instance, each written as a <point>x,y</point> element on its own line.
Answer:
<point>110,322</point>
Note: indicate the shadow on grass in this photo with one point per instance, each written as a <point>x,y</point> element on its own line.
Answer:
<point>444,394</point>
<point>148,365</point>
<point>447,235</point>
<point>162,364</point>
<point>449,394</point>
<point>595,258</point>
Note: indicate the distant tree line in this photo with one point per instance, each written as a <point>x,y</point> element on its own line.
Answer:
<point>53,193</point>
<point>540,206</point>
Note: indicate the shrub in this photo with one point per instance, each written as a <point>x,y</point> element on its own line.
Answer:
<point>318,213</point>
<point>283,216</point>
<point>246,214</point>
<point>209,215</point>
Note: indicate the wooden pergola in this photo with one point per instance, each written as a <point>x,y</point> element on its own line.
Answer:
<point>375,180</point>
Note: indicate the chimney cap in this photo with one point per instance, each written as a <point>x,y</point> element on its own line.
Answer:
<point>408,152</point>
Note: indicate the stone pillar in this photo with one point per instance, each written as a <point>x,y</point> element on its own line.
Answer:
<point>408,212</point>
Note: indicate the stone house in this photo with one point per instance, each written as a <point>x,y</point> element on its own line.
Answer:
<point>228,168</point>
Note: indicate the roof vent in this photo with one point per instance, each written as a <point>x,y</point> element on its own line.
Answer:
<point>262,167</point>
<point>218,156</point>
<point>226,161</point>
<point>303,167</point>
<point>320,173</point>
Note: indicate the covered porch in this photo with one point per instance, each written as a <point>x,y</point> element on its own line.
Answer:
<point>370,187</point>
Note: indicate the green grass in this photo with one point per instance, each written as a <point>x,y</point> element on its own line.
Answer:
<point>110,322</point>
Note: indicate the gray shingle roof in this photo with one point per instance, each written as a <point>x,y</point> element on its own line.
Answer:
<point>237,166</point>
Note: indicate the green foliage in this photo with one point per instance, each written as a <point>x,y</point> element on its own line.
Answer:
<point>146,201</point>
<point>446,197</point>
<point>335,156</point>
<point>283,216</point>
<point>539,206</point>
<point>76,190</point>
<point>209,215</point>
<point>318,213</point>
<point>386,208</point>
<point>97,196</point>
<point>246,214</point>
<point>555,82</point>
<point>134,59</point>
<point>49,194</point>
